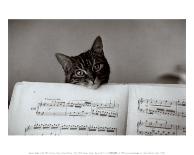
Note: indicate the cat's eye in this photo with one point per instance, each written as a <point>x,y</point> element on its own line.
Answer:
<point>97,67</point>
<point>80,73</point>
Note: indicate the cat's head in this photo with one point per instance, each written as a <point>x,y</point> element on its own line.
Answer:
<point>89,69</point>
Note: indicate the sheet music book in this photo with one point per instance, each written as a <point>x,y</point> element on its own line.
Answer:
<point>113,109</point>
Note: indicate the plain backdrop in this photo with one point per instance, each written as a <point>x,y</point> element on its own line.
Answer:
<point>138,51</point>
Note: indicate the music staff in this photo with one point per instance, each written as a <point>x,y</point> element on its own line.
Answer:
<point>163,107</point>
<point>76,104</point>
<point>59,129</point>
<point>159,127</point>
<point>76,108</point>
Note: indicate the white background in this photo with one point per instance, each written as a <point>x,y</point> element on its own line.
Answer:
<point>100,9</point>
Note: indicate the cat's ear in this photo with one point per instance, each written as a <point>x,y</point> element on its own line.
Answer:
<point>97,46</point>
<point>64,60</point>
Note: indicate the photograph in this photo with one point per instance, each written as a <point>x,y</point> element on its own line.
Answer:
<point>97,77</point>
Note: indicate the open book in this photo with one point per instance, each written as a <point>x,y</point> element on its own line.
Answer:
<point>113,109</point>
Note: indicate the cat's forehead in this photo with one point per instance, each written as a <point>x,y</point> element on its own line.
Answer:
<point>87,57</point>
<point>85,61</point>
<point>82,62</point>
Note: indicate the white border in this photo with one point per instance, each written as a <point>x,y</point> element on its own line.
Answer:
<point>100,9</point>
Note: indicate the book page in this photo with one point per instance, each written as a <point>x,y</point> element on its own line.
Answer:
<point>157,110</point>
<point>57,109</point>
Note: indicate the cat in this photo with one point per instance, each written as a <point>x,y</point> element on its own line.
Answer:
<point>89,69</point>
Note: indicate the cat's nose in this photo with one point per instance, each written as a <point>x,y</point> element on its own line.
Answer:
<point>93,78</point>
<point>93,81</point>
